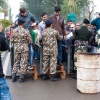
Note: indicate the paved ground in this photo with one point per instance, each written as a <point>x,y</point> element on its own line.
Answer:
<point>47,90</point>
<point>44,90</point>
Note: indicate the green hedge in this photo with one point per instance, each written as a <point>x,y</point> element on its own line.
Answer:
<point>5,23</point>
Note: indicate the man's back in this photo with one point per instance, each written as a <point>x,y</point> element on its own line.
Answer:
<point>21,38</point>
<point>96,22</point>
<point>49,39</point>
<point>82,34</point>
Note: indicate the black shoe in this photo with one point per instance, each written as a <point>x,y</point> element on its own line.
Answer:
<point>22,80</point>
<point>45,77</point>
<point>72,71</point>
<point>14,79</point>
<point>75,76</point>
<point>59,63</point>
<point>53,77</point>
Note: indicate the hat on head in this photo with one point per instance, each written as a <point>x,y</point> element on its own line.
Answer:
<point>86,21</point>
<point>57,8</point>
<point>20,20</point>
<point>48,22</point>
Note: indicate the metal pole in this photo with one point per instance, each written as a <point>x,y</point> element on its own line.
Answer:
<point>41,59</point>
<point>68,61</point>
<point>12,56</point>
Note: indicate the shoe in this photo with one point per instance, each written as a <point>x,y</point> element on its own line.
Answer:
<point>30,67</point>
<point>59,63</point>
<point>45,77</point>
<point>75,76</point>
<point>14,79</point>
<point>36,58</point>
<point>53,77</point>
<point>72,71</point>
<point>22,80</point>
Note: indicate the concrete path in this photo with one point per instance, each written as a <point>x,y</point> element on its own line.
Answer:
<point>47,90</point>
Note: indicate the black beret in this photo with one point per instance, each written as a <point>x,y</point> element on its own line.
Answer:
<point>86,21</point>
<point>57,8</point>
<point>48,22</point>
<point>20,20</point>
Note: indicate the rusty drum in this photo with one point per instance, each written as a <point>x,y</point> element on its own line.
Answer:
<point>88,72</point>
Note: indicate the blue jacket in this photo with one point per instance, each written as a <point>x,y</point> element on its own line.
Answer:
<point>96,22</point>
<point>3,47</point>
<point>28,19</point>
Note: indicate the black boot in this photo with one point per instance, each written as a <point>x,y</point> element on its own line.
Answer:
<point>22,78</point>
<point>45,77</point>
<point>75,76</point>
<point>53,77</point>
<point>14,77</point>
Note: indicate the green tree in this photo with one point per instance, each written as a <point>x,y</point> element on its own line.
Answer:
<point>4,6</point>
<point>38,6</point>
<point>79,7</point>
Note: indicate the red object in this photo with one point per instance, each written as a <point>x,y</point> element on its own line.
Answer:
<point>10,33</point>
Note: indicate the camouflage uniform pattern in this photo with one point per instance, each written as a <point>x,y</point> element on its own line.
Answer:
<point>97,38</point>
<point>80,47</point>
<point>50,52</point>
<point>21,38</point>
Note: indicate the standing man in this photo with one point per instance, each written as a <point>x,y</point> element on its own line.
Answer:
<point>29,19</point>
<point>49,39</point>
<point>4,88</point>
<point>96,22</point>
<point>82,38</point>
<point>58,24</point>
<point>21,38</point>
<point>42,23</point>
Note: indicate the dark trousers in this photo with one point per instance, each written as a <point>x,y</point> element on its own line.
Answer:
<point>59,42</point>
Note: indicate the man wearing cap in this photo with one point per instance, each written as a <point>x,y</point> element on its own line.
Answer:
<point>82,38</point>
<point>58,24</point>
<point>20,38</point>
<point>49,39</point>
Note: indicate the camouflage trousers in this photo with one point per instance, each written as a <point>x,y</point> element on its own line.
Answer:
<point>79,49</point>
<point>49,61</point>
<point>20,61</point>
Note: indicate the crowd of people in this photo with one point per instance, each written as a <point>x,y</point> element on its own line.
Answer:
<point>27,33</point>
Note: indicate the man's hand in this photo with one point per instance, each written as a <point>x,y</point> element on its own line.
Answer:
<point>1,27</point>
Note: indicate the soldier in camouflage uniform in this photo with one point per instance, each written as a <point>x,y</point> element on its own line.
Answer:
<point>20,38</point>
<point>97,38</point>
<point>82,38</point>
<point>50,52</point>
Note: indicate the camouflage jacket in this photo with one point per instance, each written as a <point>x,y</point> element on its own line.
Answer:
<point>97,38</point>
<point>49,39</point>
<point>78,43</point>
<point>21,38</point>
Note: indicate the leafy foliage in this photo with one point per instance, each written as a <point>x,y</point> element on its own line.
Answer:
<point>5,23</point>
<point>3,6</point>
<point>38,6</point>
